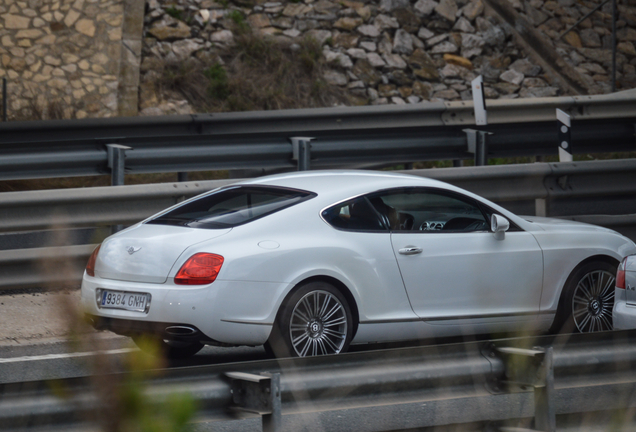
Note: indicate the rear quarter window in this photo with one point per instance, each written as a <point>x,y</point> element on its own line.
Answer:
<point>232,206</point>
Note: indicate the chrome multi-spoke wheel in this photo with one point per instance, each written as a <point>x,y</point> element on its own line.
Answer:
<point>587,299</point>
<point>318,325</point>
<point>314,320</point>
<point>593,300</point>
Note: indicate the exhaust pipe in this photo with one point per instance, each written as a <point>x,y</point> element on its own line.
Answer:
<point>181,331</point>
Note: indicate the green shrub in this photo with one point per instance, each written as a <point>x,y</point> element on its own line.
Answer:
<point>174,13</point>
<point>218,87</point>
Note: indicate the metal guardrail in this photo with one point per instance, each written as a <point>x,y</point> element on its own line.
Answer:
<point>531,382</point>
<point>584,191</point>
<point>342,136</point>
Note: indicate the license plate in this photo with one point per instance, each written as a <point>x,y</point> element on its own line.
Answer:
<point>124,300</point>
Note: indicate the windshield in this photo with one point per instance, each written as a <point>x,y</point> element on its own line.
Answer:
<point>232,206</point>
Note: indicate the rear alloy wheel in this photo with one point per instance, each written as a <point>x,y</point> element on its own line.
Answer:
<point>315,320</point>
<point>589,298</point>
<point>167,348</point>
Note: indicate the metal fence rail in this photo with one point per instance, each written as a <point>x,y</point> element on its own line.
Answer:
<point>529,382</point>
<point>584,191</point>
<point>343,136</point>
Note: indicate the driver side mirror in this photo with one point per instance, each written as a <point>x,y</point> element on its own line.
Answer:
<point>499,225</point>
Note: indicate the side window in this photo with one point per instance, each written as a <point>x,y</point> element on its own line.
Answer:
<point>429,211</point>
<point>354,215</point>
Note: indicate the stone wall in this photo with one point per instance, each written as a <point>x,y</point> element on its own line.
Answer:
<point>405,51</point>
<point>66,56</point>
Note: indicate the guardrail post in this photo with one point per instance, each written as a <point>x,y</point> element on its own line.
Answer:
<point>258,394</point>
<point>301,152</point>
<point>117,162</point>
<point>477,145</point>
<point>533,368</point>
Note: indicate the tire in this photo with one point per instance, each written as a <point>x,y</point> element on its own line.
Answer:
<point>314,320</point>
<point>165,348</point>
<point>587,299</point>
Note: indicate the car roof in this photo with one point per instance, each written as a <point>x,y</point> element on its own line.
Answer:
<point>345,183</point>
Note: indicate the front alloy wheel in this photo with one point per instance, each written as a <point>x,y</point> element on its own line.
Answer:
<point>593,301</point>
<point>587,300</point>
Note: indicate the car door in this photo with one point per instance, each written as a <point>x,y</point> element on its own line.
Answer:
<point>452,266</point>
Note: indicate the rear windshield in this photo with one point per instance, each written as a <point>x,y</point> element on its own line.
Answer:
<point>232,206</point>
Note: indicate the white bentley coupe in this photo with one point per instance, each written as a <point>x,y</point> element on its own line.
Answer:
<point>310,263</point>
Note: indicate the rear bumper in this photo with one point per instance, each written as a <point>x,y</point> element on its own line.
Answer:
<point>225,312</point>
<point>623,314</point>
<point>167,331</point>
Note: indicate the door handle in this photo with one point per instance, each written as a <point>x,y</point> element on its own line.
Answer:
<point>410,250</point>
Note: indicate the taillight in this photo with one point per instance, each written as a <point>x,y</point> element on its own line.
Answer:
<point>620,275</point>
<point>200,269</point>
<point>90,266</point>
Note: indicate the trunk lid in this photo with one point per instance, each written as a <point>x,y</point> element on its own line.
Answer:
<point>146,253</point>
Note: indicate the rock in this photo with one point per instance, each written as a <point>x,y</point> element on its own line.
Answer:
<point>400,78</point>
<point>450,71</point>
<point>387,90</point>
<point>87,27</point>
<point>369,46</point>
<point>166,33</point>
<point>539,92</point>
<point>283,23</point>
<point>589,38</point>
<point>383,22</point>
<point>346,40</point>
<point>296,9</point>
<point>626,33</point>
<point>367,73</point>
<point>425,33</point>
<point>258,21</point>
<point>463,25</point>
<point>402,42</point>
<point>525,67</point>
<point>471,42</point>
<point>319,36</point>
<point>537,17</point>
<point>593,68</point>
<point>457,60</point>
<point>449,94</point>
<point>407,20</point>
<point>335,78</point>
<point>444,47</point>
<point>626,48</point>
<point>398,100</point>
<point>355,85</point>
<point>368,30</point>
<point>16,21</point>
<point>375,60</point>
<point>512,76</point>
<point>505,88</point>
<point>422,65</point>
<point>222,36</point>
<point>413,99</point>
<point>447,9</point>
<point>292,33</point>
<point>422,89</point>
<point>473,9</point>
<point>326,7</point>
<point>493,35</point>
<point>357,53</point>
<point>437,39</point>
<point>394,61</point>
<point>573,39</point>
<point>347,23</point>
<point>389,5</point>
<point>185,48</point>
<point>534,82</point>
<point>405,92</point>
<point>425,7</point>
